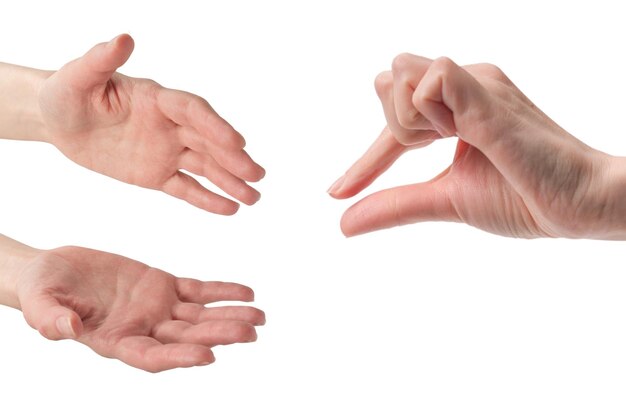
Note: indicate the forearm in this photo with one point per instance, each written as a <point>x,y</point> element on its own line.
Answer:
<point>13,258</point>
<point>20,117</point>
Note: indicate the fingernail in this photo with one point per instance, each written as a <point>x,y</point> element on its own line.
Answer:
<point>336,185</point>
<point>64,325</point>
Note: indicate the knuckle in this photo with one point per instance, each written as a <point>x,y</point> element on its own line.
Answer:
<point>407,119</point>
<point>383,81</point>
<point>401,62</point>
<point>443,65</point>
<point>420,96</point>
<point>493,71</point>
<point>198,101</point>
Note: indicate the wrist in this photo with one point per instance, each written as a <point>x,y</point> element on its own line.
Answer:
<point>14,257</point>
<point>39,131</point>
<point>20,112</point>
<point>612,197</point>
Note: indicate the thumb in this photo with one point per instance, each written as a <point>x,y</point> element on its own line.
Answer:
<point>399,206</point>
<point>53,320</point>
<point>98,65</point>
<point>448,96</point>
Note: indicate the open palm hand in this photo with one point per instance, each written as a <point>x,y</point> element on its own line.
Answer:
<point>124,309</point>
<point>141,133</point>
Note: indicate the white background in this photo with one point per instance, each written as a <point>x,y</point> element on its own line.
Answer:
<point>430,320</point>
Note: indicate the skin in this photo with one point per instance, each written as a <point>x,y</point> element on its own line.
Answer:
<point>129,128</point>
<point>141,133</point>
<point>122,308</point>
<point>515,171</point>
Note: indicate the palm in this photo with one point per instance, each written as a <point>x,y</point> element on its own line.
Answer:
<point>127,310</point>
<point>121,132</point>
<point>480,196</point>
<point>138,132</point>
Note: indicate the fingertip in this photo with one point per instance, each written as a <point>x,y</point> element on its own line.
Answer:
<point>347,190</point>
<point>383,82</point>
<point>254,172</point>
<point>262,319</point>
<point>195,355</point>
<point>68,327</point>
<point>346,226</point>
<point>255,196</point>
<point>355,221</point>
<point>261,173</point>
<point>231,211</point>
<point>248,195</point>
<point>253,335</point>
<point>247,294</point>
<point>234,209</point>
<point>205,358</point>
<point>345,187</point>
<point>342,194</point>
<point>64,327</point>
<point>227,208</point>
<point>403,61</point>
<point>236,291</point>
<point>124,41</point>
<point>335,188</point>
<point>190,355</point>
<point>121,47</point>
<point>247,333</point>
<point>345,232</point>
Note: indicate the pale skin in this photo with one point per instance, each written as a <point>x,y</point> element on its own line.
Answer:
<point>122,308</point>
<point>128,128</point>
<point>141,133</point>
<point>515,171</point>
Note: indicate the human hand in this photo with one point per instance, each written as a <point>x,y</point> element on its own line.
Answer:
<point>124,309</point>
<point>515,171</point>
<point>141,133</point>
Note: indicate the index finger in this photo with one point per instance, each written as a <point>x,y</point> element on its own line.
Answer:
<point>376,160</point>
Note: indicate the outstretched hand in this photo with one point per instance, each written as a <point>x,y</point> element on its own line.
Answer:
<point>141,133</point>
<point>124,309</point>
<point>515,172</point>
